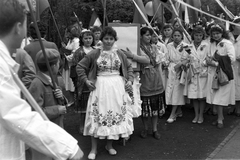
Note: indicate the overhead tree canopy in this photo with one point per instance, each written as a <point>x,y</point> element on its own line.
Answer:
<point>122,10</point>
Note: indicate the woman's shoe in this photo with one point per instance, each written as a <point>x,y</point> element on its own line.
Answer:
<point>144,134</point>
<point>194,120</point>
<point>171,120</point>
<point>200,121</point>
<point>92,155</point>
<point>156,135</point>
<point>111,151</point>
<point>220,125</point>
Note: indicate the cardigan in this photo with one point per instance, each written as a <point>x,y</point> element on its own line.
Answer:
<point>89,63</point>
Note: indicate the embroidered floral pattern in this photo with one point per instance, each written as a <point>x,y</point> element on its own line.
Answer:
<point>109,119</point>
<point>108,62</point>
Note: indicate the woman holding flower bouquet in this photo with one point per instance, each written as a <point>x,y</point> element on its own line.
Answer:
<point>177,60</point>
<point>196,88</point>
<point>221,84</point>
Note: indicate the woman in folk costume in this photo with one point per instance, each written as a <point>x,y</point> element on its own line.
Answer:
<point>234,35</point>
<point>151,89</point>
<point>177,58</point>
<point>109,77</point>
<point>196,88</point>
<point>220,60</point>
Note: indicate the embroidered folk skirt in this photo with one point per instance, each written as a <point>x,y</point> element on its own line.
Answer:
<point>108,113</point>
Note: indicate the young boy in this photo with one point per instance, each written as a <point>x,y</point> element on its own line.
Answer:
<point>42,89</point>
<point>50,100</point>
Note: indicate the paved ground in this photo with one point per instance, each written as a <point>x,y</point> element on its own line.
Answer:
<point>180,140</point>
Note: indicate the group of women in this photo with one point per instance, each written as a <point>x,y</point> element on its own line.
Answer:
<point>173,72</point>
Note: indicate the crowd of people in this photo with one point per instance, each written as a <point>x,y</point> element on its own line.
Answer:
<point>177,67</point>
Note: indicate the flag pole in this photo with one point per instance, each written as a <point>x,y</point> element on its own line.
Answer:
<point>155,13</point>
<point>55,23</point>
<point>178,19</point>
<point>41,44</point>
<point>104,13</point>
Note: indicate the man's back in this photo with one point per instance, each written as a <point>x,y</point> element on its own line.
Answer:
<point>34,47</point>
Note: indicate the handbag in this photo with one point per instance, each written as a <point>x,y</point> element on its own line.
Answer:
<point>215,84</point>
<point>183,78</point>
<point>222,77</point>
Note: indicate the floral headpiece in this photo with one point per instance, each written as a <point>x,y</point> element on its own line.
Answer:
<point>216,27</point>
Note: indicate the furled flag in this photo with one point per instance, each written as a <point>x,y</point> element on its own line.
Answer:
<point>95,21</point>
<point>41,5</point>
<point>158,11</point>
<point>137,18</point>
<point>193,15</point>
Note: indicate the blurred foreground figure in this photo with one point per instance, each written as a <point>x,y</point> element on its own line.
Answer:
<point>18,124</point>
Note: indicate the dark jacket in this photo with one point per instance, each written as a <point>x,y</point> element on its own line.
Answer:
<point>34,47</point>
<point>27,70</point>
<point>89,64</point>
<point>225,64</point>
<point>42,91</point>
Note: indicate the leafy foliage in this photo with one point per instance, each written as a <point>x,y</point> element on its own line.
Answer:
<point>122,10</point>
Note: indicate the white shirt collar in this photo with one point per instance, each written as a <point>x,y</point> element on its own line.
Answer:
<point>7,57</point>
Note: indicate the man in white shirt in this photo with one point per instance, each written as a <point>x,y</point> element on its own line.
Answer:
<point>18,124</point>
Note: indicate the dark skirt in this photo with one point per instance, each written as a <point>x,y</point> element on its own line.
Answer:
<point>153,105</point>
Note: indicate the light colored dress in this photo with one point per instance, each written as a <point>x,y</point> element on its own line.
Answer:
<point>197,88</point>
<point>72,45</point>
<point>225,95</point>
<point>174,90</point>
<point>109,105</point>
<point>236,65</point>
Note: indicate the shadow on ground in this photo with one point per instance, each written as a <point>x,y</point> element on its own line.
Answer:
<point>180,140</point>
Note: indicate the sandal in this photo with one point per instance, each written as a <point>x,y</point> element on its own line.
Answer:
<point>111,151</point>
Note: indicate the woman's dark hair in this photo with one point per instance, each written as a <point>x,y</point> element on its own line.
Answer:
<point>208,28</point>
<point>108,31</point>
<point>42,28</point>
<point>198,29</point>
<point>178,30</point>
<point>231,27</point>
<point>11,12</point>
<point>144,30</point>
<point>87,33</point>
<point>220,29</point>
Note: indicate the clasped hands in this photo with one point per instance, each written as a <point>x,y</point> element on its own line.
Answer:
<point>183,63</point>
<point>211,62</point>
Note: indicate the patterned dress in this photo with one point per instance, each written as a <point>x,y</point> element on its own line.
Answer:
<point>108,111</point>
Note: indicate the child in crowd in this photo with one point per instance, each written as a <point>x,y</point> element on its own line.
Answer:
<point>51,101</point>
